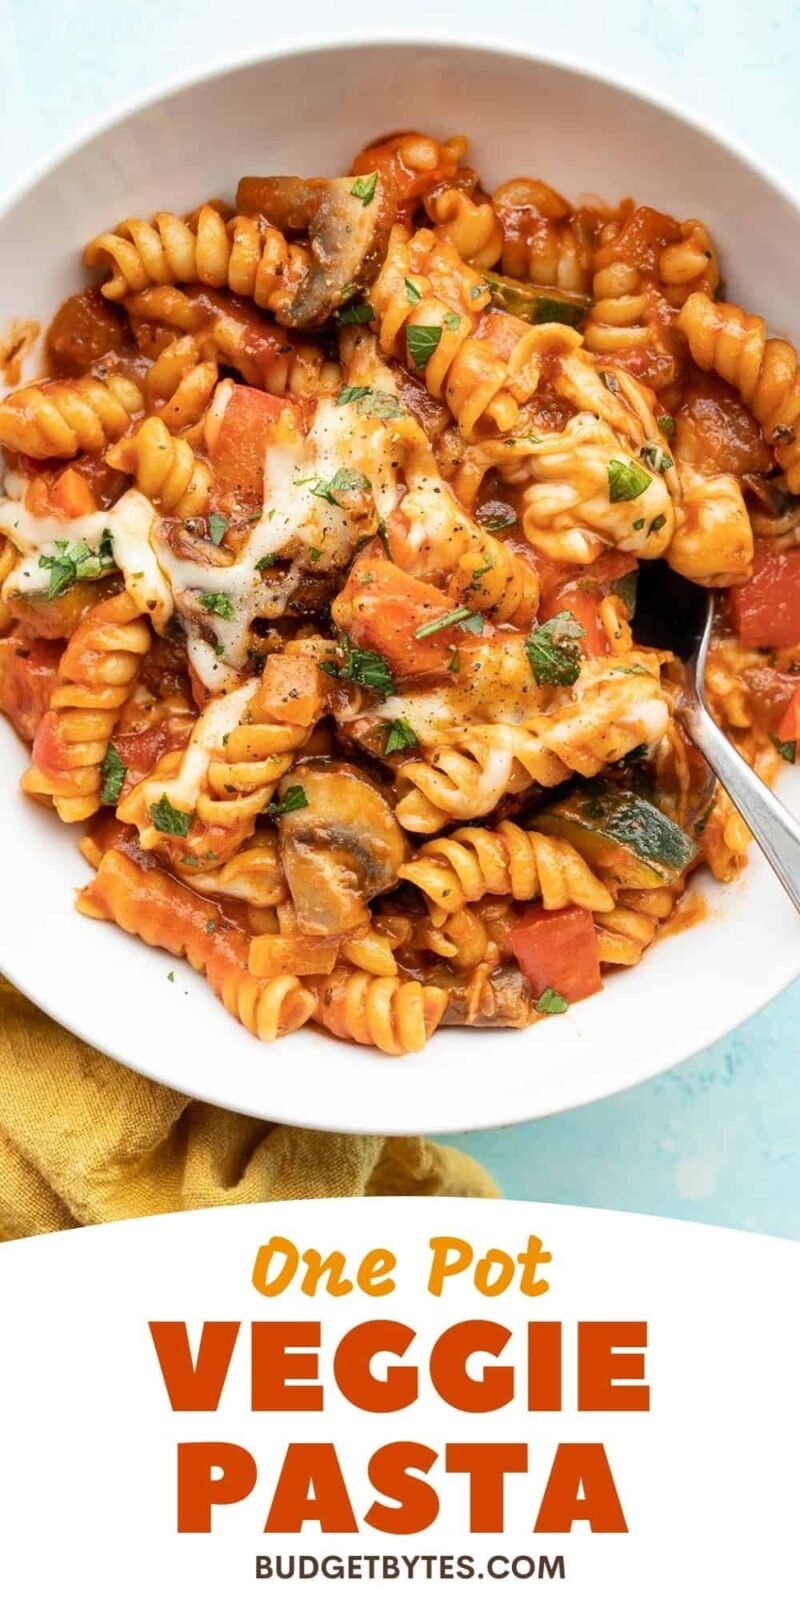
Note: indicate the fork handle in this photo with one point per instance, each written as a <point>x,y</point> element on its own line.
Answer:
<point>772,826</point>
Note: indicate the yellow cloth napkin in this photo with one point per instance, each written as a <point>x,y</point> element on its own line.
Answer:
<point>84,1140</point>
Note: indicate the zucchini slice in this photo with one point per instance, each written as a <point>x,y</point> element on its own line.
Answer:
<point>536,304</point>
<point>621,834</point>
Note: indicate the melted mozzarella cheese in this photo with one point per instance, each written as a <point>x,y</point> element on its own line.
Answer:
<point>299,530</point>
<point>130,524</point>
<point>220,718</point>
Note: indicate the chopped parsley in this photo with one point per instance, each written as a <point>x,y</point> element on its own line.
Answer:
<point>666,424</point>
<point>295,799</point>
<point>452,322</point>
<point>220,605</point>
<point>113,773</point>
<point>657,524</point>
<point>167,819</point>
<point>366,667</point>
<point>265,562</point>
<point>352,392</point>
<point>364,188</point>
<point>217,527</point>
<point>422,341</point>
<point>211,926</point>
<point>786,748</point>
<point>384,537</point>
<point>413,294</point>
<point>170,977</point>
<point>626,480</point>
<point>314,552</point>
<point>553,651</point>
<point>400,736</point>
<point>355,314</point>
<point>551,1004</point>
<point>77,562</point>
<point>370,402</point>
<point>638,524</point>
<point>461,614</point>
<point>454,663</point>
<point>656,457</point>
<point>190,861</point>
<point>473,623</point>
<point>495,514</point>
<point>345,481</point>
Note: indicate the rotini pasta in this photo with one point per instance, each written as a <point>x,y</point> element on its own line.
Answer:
<point>62,417</point>
<point>244,255</point>
<point>395,1015</point>
<point>471,863</point>
<point>95,678</point>
<point>727,340</point>
<point>165,469</point>
<point>319,547</point>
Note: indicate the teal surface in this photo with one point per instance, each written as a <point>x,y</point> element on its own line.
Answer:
<point>717,1139</point>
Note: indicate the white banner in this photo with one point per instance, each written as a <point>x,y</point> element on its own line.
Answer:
<point>399,1394</point>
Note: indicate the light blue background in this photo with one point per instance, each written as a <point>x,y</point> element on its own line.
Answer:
<point>717,1139</point>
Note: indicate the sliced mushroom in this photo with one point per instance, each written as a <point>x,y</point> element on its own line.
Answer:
<point>290,204</point>
<point>348,222</point>
<point>340,849</point>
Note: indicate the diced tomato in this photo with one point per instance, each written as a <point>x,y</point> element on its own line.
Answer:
<point>239,451</point>
<point>765,611</point>
<point>789,725</point>
<point>71,495</point>
<point>28,671</point>
<point>143,747</point>
<point>558,950</point>
<point>382,608</point>
<point>582,594</point>
<point>584,605</point>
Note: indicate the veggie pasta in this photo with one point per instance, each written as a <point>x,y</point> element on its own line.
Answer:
<point>319,542</point>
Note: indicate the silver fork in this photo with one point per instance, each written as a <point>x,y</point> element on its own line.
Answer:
<point>673,614</point>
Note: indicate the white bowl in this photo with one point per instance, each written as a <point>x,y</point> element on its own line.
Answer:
<point>309,112</point>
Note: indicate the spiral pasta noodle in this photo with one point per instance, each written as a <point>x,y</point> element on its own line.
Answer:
<point>439,322</point>
<point>689,264</point>
<point>492,578</point>
<point>146,902</point>
<point>471,863</point>
<point>63,416</point>
<point>96,676</point>
<point>244,255</point>
<point>225,777</point>
<point>208,331</point>
<point>615,707</point>
<point>254,874</point>
<point>165,469</point>
<point>470,226</point>
<point>544,241</point>
<point>626,931</point>
<point>396,1015</point>
<point>725,339</point>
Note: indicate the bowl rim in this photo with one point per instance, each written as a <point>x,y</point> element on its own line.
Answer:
<point>475,43</point>
<point>439,40</point>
